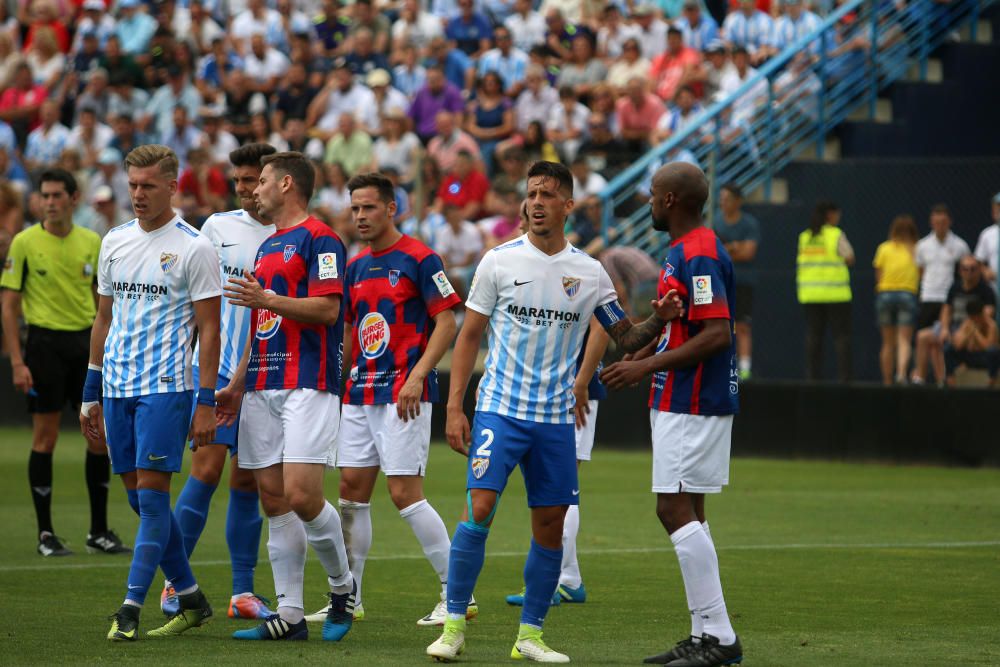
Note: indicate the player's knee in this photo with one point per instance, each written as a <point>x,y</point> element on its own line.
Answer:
<point>44,443</point>
<point>403,496</point>
<point>303,503</point>
<point>206,474</point>
<point>242,480</point>
<point>482,510</point>
<point>273,505</point>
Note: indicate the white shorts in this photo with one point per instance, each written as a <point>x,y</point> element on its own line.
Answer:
<point>374,435</point>
<point>585,435</point>
<point>690,452</point>
<point>288,426</point>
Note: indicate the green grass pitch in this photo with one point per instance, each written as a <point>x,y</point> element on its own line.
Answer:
<point>822,564</point>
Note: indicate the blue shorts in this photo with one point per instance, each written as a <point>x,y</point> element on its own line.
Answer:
<point>224,435</point>
<point>147,432</point>
<point>546,454</point>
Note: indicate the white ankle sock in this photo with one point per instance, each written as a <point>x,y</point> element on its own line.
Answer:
<point>286,547</point>
<point>427,525</point>
<point>570,574</point>
<point>327,540</point>
<point>357,519</point>
<point>700,569</point>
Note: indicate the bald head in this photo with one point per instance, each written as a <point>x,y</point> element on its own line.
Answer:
<point>686,181</point>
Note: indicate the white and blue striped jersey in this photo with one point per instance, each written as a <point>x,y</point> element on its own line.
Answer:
<point>700,36</point>
<point>751,33</point>
<point>539,307</point>
<point>154,279</point>
<point>237,237</point>
<point>787,31</point>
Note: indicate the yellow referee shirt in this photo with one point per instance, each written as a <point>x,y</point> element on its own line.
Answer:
<point>55,276</point>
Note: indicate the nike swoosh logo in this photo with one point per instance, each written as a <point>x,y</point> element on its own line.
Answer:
<point>576,492</point>
<point>113,260</point>
<point>156,458</point>
<point>517,284</point>
<point>133,588</point>
<point>229,245</point>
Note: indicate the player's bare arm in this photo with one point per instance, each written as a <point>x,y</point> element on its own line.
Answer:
<point>91,415</point>
<point>597,343</point>
<point>227,401</point>
<point>408,401</point>
<point>246,291</point>
<point>206,317</point>
<point>463,360</point>
<point>632,337</point>
<point>714,338</point>
<point>12,336</point>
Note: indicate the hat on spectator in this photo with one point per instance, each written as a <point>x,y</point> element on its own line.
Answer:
<point>340,63</point>
<point>378,77</point>
<point>96,5</point>
<point>109,156</point>
<point>210,113</point>
<point>715,46</point>
<point>103,194</point>
<point>395,113</point>
<point>643,10</point>
<point>128,4</point>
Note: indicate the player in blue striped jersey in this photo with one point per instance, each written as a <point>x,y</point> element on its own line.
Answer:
<point>236,236</point>
<point>750,28</point>
<point>158,278</point>
<point>537,295</point>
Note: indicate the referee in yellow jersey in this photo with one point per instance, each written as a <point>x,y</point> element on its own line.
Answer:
<point>49,277</point>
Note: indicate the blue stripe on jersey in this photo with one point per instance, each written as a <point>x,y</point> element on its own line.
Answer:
<point>187,230</point>
<point>531,406</point>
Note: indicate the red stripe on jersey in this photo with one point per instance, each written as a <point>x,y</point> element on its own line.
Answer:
<point>262,346</point>
<point>700,242</point>
<point>321,381</point>
<point>696,389</point>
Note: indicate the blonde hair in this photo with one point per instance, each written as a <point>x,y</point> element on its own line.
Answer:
<point>153,154</point>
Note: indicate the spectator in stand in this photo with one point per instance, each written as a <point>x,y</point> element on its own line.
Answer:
<point>699,30</point>
<point>215,66</point>
<point>490,117</point>
<point>613,34</point>
<point>351,147</point>
<point>634,275</point>
<point>988,244</point>
<point>527,27</point>
<point>938,255</point>
<point>89,137</point>
<point>202,187</point>
<point>12,173</point>
<point>386,98</point>
<point>602,101</point>
<point>561,33</point>
<point>459,243</point>
<point>750,28</point>
<point>715,68</point>
<point>45,15</point>
<point>21,102</point>
<point>294,97</point>
<point>126,136</point>
<point>409,76</point>
<point>509,62</point>
<point>567,124</point>
<point>974,344</point>
<point>218,142</point>
<point>449,141</point>
<point>397,148</point>
<point>182,136</point>
<point>536,144</point>
<point>9,56</point>
<point>293,22</point>
<point>607,154</point>
<point>94,18</point>
<point>586,183</point>
<point>312,59</point>
<point>264,65</point>
<point>109,214</point>
<point>110,173</point>
<point>629,66</point>
<point>933,340</point>
<point>638,113</point>
<point>463,186</point>
<point>363,59</point>
<point>740,153</point>
<point>506,224</point>
<point>331,28</point>
<point>88,55</point>
<point>685,110</point>
<point>256,19</point>
<point>414,27</point>
<point>134,30</point>
<point>332,201</point>
<point>740,235</point>
<point>124,99</point>
<point>205,30</point>
<point>439,95</point>
<point>295,138</point>
<point>537,99</point>
<point>897,281</point>
<point>582,71</point>
<point>178,91</point>
<point>470,30</point>
<point>512,175</point>
<point>652,31</point>
<point>677,66</point>
<point>47,141</point>
<point>750,101</point>
<point>793,25</point>
<point>365,16</point>
<point>95,95</point>
<point>459,69</point>
<point>121,64</point>
<point>341,94</point>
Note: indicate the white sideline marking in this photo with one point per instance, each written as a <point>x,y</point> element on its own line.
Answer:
<point>123,563</point>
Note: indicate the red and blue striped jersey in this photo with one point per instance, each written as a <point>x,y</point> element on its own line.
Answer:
<point>306,260</point>
<point>699,268</point>
<point>392,298</point>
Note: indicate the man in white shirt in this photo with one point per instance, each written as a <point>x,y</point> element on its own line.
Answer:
<point>988,245</point>
<point>652,31</point>
<point>508,61</point>
<point>537,99</point>
<point>340,95</point>
<point>256,18</point>
<point>264,65</point>
<point>459,243</point>
<point>89,137</point>
<point>526,26</point>
<point>937,254</point>
<point>744,107</point>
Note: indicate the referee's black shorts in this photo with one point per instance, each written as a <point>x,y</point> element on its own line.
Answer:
<point>58,364</point>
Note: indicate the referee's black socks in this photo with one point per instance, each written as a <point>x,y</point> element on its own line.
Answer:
<point>40,480</point>
<point>98,471</point>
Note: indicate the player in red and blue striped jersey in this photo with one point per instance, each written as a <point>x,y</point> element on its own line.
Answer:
<point>400,321</point>
<point>693,400</point>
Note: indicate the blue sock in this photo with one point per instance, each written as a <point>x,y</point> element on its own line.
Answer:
<point>541,576</point>
<point>468,551</point>
<point>133,499</point>
<point>175,561</point>
<point>243,525</point>
<point>191,510</point>
<point>150,542</point>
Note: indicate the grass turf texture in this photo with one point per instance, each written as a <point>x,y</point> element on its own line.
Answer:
<point>822,564</point>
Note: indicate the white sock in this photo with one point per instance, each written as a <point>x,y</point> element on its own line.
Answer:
<point>357,519</point>
<point>427,525</point>
<point>700,569</point>
<point>704,526</point>
<point>745,364</point>
<point>327,539</point>
<point>570,575</point>
<point>132,603</point>
<point>286,547</point>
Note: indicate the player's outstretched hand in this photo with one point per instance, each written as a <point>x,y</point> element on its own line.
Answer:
<point>92,423</point>
<point>23,381</point>
<point>227,406</point>
<point>457,431</point>
<point>623,374</point>
<point>582,409</point>
<point>246,291</point>
<point>670,307</point>
<point>408,401</point>
<point>202,427</point>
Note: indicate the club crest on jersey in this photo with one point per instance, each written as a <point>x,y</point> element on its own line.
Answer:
<point>393,277</point>
<point>268,322</point>
<point>479,467</point>
<point>571,286</point>
<point>289,253</point>
<point>668,270</point>
<point>167,261</point>
<point>373,334</point>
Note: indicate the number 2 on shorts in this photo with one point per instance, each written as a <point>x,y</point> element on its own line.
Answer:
<point>484,449</point>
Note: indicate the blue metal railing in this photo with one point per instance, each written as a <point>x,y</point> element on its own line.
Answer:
<point>790,105</point>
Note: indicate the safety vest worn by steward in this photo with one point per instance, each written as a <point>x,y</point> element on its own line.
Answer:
<point>822,275</point>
